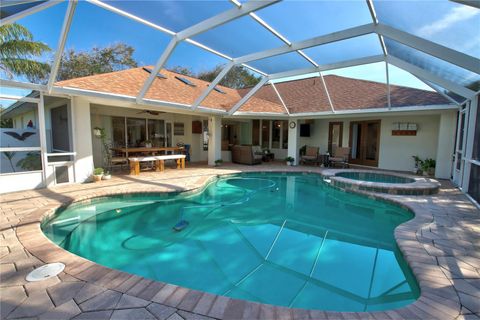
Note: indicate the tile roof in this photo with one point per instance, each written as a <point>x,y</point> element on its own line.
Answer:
<point>305,95</point>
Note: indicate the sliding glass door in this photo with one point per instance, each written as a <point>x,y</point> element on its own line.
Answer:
<point>365,142</point>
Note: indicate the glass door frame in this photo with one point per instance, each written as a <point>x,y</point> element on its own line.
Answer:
<point>167,124</point>
<point>361,160</point>
<point>460,145</point>
<point>330,131</point>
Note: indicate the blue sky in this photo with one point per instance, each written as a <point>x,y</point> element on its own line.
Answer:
<point>93,26</point>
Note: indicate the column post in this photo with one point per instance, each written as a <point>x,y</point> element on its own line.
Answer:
<point>214,139</point>
<point>83,139</point>
<point>446,144</point>
<point>293,134</point>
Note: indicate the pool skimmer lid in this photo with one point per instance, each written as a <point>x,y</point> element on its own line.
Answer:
<point>45,272</point>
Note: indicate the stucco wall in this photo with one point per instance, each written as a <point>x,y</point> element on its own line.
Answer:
<point>396,151</point>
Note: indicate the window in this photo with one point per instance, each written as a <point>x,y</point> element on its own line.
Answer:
<point>13,141</point>
<point>136,132</point>
<point>219,90</point>
<point>156,132</point>
<point>276,130</point>
<point>265,134</point>
<point>474,183</point>
<point>20,161</point>
<point>476,138</point>
<point>186,81</point>
<point>60,129</point>
<point>256,132</point>
<point>118,127</point>
<point>178,129</point>
<point>159,75</point>
<point>229,135</point>
<point>284,134</point>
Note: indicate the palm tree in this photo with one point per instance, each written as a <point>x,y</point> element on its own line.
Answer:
<point>9,156</point>
<point>17,49</point>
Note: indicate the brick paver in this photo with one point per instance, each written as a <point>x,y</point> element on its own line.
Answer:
<point>441,245</point>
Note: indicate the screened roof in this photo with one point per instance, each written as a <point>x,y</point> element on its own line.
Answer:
<point>276,40</point>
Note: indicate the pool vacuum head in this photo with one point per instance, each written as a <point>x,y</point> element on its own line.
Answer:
<point>182,224</point>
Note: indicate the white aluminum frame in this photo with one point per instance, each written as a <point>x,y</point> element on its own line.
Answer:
<point>373,13</point>
<point>158,66</point>
<point>326,91</point>
<point>387,75</point>
<point>472,3</point>
<point>223,18</point>
<point>472,110</point>
<point>415,42</point>
<point>248,95</point>
<point>419,72</point>
<point>25,13</point>
<point>212,85</point>
<point>67,22</point>
<point>280,98</point>
<point>444,53</point>
<point>198,28</point>
<point>327,67</point>
<point>440,92</point>
<point>313,42</point>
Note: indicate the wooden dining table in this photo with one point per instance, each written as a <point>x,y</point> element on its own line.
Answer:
<point>151,150</point>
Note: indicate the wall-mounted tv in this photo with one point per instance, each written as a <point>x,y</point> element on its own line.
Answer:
<point>305,130</point>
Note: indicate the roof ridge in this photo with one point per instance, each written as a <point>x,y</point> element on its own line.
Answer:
<point>372,81</point>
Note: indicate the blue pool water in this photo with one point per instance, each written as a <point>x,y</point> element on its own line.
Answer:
<point>288,240</point>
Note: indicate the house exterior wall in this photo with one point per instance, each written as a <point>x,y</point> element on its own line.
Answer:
<point>101,117</point>
<point>446,144</point>
<point>21,181</point>
<point>434,139</point>
<point>82,139</point>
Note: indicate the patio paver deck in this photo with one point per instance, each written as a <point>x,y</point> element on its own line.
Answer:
<point>441,245</point>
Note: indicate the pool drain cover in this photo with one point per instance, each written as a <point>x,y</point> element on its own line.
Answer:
<point>45,272</point>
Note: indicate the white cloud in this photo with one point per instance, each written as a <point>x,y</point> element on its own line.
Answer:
<point>455,15</point>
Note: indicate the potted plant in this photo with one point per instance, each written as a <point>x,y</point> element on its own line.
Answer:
<point>107,176</point>
<point>218,162</point>
<point>418,162</point>
<point>97,174</point>
<point>148,143</point>
<point>429,167</point>
<point>289,161</point>
<point>107,153</point>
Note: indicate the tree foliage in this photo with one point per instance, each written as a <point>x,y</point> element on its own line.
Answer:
<point>238,77</point>
<point>115,57</point>
<point>18,52</point>
<point>183,70</point>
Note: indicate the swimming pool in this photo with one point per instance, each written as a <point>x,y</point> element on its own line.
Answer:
<point>282,239</point>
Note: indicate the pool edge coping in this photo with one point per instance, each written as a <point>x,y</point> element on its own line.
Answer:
<point>421,186</point>
<point>427,273</point>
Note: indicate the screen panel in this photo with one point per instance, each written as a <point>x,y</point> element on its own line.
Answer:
<point>9,8</point>
<point>39,33</point>
<point>434,65</point>
<point>451,24</point>
<point>239,37</point>
<point>280,63</point>
<point>300,20</point>
<point>173,15</point>
<point>353,48</point>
